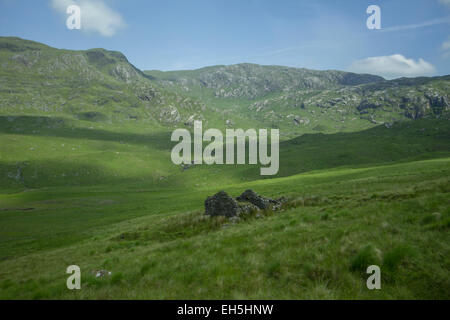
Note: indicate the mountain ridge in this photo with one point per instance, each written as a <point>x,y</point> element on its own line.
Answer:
<point>103,86</point>
<point>251,81</point>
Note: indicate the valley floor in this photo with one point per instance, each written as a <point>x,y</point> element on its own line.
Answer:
<point>157,244</point>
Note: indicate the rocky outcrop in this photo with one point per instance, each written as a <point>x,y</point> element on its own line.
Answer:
<point>229,123</point>
<point>255,81</point>
<point>169,114</point>
<point>192,118</point>
<point>439,103</point>
<point>367,105</point>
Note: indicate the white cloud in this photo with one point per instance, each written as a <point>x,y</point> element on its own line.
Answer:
<point>429,23</point>
<point>446,48</point>
<point>393,66</point>
<point>446,45</point>
<point>96,16</point>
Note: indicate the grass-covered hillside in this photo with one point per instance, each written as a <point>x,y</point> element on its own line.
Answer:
<point>94,85</point>
<point>307,101</point>
<point>86,178</point>
<point>158,243</point>
<point>251,81</point>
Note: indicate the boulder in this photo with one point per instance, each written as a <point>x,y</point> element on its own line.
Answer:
<point>101,273</point>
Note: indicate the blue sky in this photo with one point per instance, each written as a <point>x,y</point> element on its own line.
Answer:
<point>187,34</point>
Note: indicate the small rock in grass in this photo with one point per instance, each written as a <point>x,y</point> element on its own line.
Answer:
<point>437,215</point>
<point>101,273</point>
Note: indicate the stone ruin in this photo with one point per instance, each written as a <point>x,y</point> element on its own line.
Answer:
<point>221,204</point>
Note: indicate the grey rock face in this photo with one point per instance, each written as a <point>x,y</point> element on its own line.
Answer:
<point>367,105</point>
<point>437,101</point>
<point>253,81</point>
<point>192,118</point>
<point>169,114</point>
<point>221,204</point>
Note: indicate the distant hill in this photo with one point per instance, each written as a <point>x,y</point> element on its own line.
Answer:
<point>254,81</point>
<point>102,86</point>
<point>92,85</point>
<point>302,100</point>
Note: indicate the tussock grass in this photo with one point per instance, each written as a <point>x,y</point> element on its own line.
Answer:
<point>317,246</point>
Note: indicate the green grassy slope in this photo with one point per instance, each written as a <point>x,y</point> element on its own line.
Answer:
<point>73,176</point>
<point>302,101</point>
<point>396,216</point>
<point>94,85</point>
<point>78,153</point>
<point>86,178</point>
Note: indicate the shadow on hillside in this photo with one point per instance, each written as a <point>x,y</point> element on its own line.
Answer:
<point>418,140</point>
<point>61,128</point>
<point>402,82</point>
<point>378,145</point>
<point>35,174</point>
<point>421,139</point>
